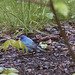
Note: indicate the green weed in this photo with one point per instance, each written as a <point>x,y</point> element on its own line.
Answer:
<point>26,16</point>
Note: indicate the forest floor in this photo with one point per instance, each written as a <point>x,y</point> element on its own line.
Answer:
<point>55,61</point>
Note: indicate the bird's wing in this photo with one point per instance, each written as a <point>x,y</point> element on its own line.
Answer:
<point>29,43</point>
<point>32,45</point>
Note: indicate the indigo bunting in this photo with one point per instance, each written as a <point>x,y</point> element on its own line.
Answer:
<point>30,44</point>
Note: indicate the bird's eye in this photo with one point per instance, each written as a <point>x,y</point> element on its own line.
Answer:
<point>21,37</point>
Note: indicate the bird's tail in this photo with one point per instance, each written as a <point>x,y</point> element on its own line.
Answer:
<point>40,49</point>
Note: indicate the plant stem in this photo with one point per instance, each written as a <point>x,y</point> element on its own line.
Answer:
<point>61,31</point>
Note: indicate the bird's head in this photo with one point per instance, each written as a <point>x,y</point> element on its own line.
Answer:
<point>23,37</point>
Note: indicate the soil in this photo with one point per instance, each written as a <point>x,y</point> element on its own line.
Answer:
<point>55,61</point>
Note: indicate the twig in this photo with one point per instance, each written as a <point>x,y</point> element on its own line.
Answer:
<point>36,2</point>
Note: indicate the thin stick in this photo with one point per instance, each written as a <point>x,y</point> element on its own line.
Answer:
<point>36,2</point>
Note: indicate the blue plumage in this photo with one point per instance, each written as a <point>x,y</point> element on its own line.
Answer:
<point>30,44</point>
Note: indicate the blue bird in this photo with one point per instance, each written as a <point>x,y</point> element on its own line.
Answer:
<point>30,44</point>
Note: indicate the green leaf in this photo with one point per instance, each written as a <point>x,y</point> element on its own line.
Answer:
<point>10,71</point>
<point>49,15</point>
<point>17,45</point>
<point>44,46</point>
<point>13,70</point>
<point>7,71</point>
<point>73,74</point>
<point>5,45</point>
<point>13,43</point>
<point>62,8</point>
<point>22,46</point>
<point>1,69</point>
<point>12,74</point>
